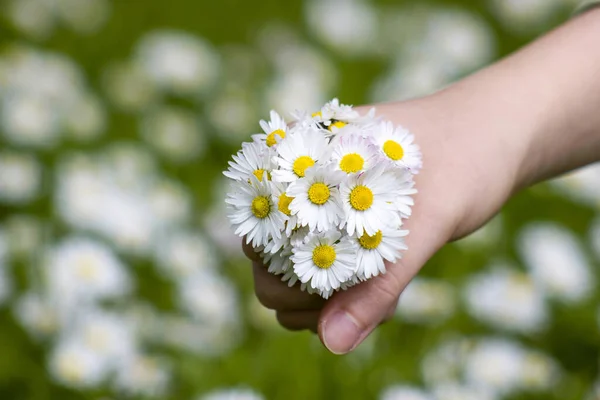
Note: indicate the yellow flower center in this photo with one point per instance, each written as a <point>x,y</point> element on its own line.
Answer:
<point>271,140</point>
<point>337,124</point>
<point>361,198</point>
<point>370,242</point>
<point>316,114</point>
<point>318,193</point>
<point>323,256</point>
<point>284,204</point>
<point>261,206</point>
<point>258,173</point>
<point>351,163</point>
<point>301,164</point>
<point>393,150</point>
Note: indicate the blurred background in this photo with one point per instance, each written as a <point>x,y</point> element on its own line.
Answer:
<point>119,277</point>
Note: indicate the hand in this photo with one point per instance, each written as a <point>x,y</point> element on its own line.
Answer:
<point>446,207</point>
<point>482,139</point>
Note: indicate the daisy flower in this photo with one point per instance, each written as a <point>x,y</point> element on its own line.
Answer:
<point>297,153</point>
<point>275,130</point>
<point>353,154</point>
<point>334,116</point>
<point>252,213</point>
<point>386,244</point>
<point>316,199</point>
<point>278,262</point>
<point>404,188</point>
<point>368,201</point>
<point>282,200</point>
<point>326,260</point>
<point>254,159</point>
<point>396,145</point>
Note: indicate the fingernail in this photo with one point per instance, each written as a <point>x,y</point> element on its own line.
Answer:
<point>341,333</point>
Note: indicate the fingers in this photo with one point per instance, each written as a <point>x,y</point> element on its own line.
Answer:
<point>277,295</point>
<point>351,315</point>
<point>299,320</point>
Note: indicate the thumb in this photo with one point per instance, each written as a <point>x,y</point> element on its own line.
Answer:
<point>351,315</point>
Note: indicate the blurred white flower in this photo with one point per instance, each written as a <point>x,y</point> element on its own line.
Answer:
<point>83,16</point>
<point>556,261</point>
<point>303,77</point>
<point>209,298</point>
<point>539,372</point>
<point>232,113</point>
<point>443,363</point>
<point>85,118</point>
<point>119,195</point>
<point>178,62</point>
<point>582,185</point>
<point>34,18</point>
<point>524,16</point>
<point>43,75</point>
<point>295,90</point>
<point>445,45</point>
<point>110,335</point>
<point>496,364</point>
<point>143,375</point>
<point>506,299</point>
<point>30,120</point>
<point>404,392</point>
<point>426,301</point>
<point>458,391</point>
<point>181,254</point>
<point>24,235</point>
<point>38,18</point>
<point>216,226</point>
<point>192,336</point>
<point>458,39</point>
<point>20,177</point>
<point>506,367</point>
<point>76,365</point>
<point>174,132</point>
<point>128,87</point>
<point>409,79</point>
<point>170,202</point>
<point>349,26</point>
<point>79,270</point>
<point>37,314</point>
<point>232,394</point>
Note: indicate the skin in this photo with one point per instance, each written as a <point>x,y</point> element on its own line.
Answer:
<point>527,118</point>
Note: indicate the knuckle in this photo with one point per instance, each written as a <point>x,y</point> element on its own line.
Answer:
<point>387,288</point>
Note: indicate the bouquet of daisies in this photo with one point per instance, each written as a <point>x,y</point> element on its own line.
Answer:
<point>323,201</point>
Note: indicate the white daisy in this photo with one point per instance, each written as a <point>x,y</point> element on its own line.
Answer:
<point>252,212</point>
<point>298,152</point>
<point>326,260</point>
<point>254,159</point>
<point>316,200</point>
<point>275,130</point>
<point>283,204</point>
<point>335,115</point>
<point>396,144</point>
<point>368,201</point>
<point>386,244</point>
<point>278,262</point>
<point>404,188</point>
<point>353,154</point>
